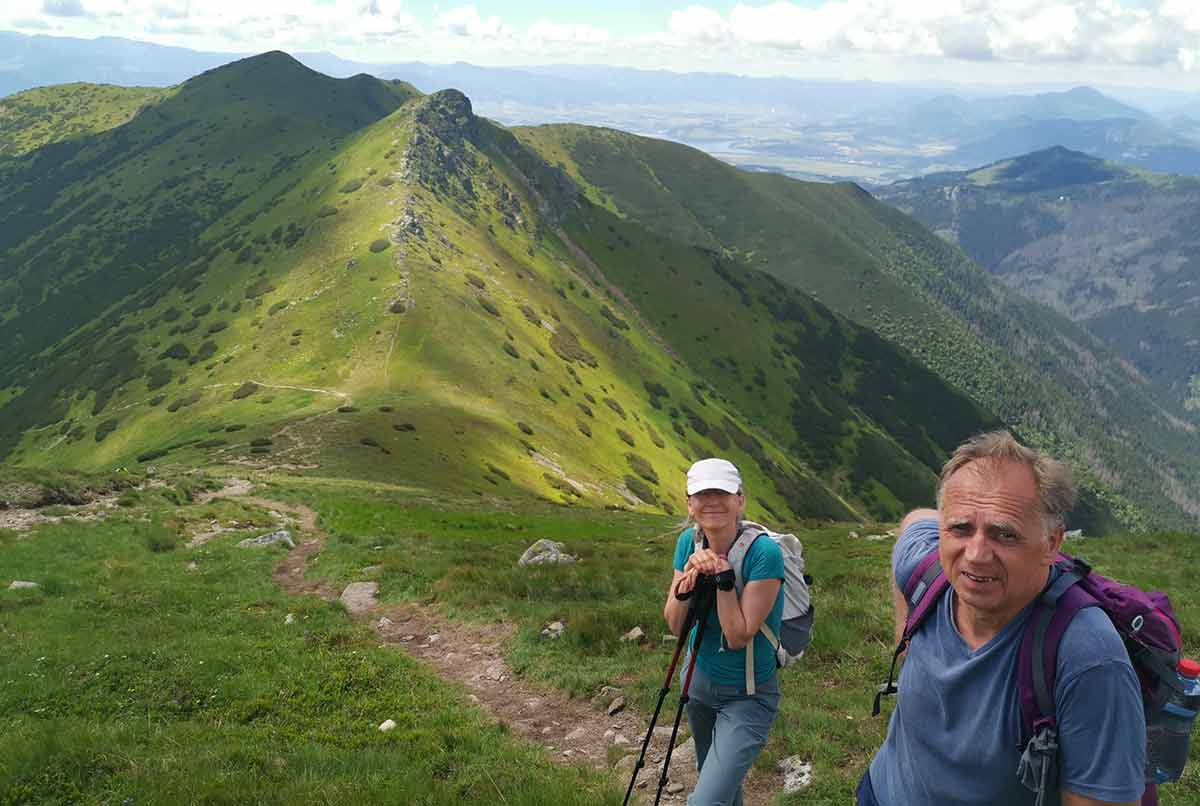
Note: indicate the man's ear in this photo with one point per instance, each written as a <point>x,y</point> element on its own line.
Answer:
<point>1055,543</point>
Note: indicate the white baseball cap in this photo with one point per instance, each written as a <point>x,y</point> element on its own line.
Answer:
<point>713,474</point>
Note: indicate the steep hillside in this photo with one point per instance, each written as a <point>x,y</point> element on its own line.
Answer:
<point>274,268</point>
<point>1114,249</point>
<point>1037,371</point>
<point>35,118</point>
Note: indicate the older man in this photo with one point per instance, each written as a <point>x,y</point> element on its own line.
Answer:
<point>955,734</point>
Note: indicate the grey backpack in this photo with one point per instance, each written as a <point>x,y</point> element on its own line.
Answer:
<point>796,626</point>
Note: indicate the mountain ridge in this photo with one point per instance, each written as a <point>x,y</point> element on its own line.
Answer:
<point>415,287</point>
<point>478,343</point>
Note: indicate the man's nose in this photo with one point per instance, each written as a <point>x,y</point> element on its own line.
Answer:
<point>978,549</point>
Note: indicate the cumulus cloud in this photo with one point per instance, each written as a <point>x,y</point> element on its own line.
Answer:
<point>465,21</point>
<point>699,24</point>
<point>1154,33</point>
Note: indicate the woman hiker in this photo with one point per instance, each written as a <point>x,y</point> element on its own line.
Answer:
<point>729,725</point>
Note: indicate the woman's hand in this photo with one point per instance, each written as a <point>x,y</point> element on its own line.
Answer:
<point>706,561</point>
<point>684,582</point>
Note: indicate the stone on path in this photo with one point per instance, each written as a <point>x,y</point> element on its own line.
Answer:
<point>387,725</point>
<point>674,788</point>
<point>577,735</point>
<point>606,695</point>
<point>384,623</point>
<point>359,597</point>
<point>21,584</point>
<point>545,552</point>
<point>616,706</point>
<point>797,774</point>
<point>281,536</point>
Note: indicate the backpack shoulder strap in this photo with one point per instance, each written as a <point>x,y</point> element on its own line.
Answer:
<point>1037,659</point>
<point>748,532</point>
<point>924,588</point>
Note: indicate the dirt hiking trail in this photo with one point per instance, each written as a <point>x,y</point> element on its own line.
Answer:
<point>572,731</point>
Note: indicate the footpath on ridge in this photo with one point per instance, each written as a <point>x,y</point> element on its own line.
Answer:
<point>572,731</point>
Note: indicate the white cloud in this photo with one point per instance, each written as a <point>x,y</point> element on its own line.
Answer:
<point>465,21</point>
<point>699,24</point>
<point>1025,31</point>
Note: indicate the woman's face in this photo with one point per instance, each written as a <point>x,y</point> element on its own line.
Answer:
<point>715,510</point>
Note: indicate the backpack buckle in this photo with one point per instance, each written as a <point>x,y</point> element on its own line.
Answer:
<point>1081,566</point>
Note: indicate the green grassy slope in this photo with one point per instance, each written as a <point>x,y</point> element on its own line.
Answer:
<point>129,676</point>
<point>387,287</point>
<point>38,117</point>
<point>1051,380</point>
<point>93,713</point>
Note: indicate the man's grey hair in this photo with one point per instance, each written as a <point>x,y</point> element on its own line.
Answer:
<point>1052,479</point>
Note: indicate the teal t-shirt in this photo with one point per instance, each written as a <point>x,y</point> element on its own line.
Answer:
<point>722,665</point>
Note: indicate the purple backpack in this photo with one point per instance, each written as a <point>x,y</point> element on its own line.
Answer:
<point>1145,621</point>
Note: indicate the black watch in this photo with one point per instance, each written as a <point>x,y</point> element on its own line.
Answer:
<point>725,580</point>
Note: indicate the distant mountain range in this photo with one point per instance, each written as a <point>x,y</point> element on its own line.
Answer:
<point>868,132</point>
<point>266,266</point>
<point>1114,248</point>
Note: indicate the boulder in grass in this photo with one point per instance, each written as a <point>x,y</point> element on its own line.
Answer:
<point>634,636</point>
<point>359,597</point>
<point>281,536</point>
<point>386,725</point>
<point>21,584</point>
<point>546,552</point>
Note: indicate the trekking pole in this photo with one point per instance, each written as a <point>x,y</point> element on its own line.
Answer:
<point>688,621</point>
<point>705,599</point>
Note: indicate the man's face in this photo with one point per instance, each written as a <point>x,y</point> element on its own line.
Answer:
<point>715,509</point>
<point>993,544</point>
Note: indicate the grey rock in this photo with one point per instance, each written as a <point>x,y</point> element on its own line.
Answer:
<point>684,755</point>
<point>674,788</point>
<point>553,630</point>
<point>634,636</point>
<point>290,619</point>
<point>616,706</point>
<point>546,552</point>
<point>386,725</point>
<point>797,774</point>
<point>577,735</point>
<point>21,584</point>
<point>359,597</point>
<point>606,695</point>
<point>280,536</point>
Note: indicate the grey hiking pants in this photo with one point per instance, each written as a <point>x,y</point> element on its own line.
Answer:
<point>730,728</point>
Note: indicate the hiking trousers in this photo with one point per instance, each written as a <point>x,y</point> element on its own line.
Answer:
<point>730,728</point>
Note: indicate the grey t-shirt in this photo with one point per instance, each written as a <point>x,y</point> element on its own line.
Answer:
<point>953,737</point>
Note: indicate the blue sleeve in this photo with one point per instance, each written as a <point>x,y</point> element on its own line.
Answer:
<point>763,561</point>
<point>684,548</point>
<point>1102,729</point>
<point>917,540</point>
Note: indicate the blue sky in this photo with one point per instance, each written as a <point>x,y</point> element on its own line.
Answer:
<point>1153,43</point>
